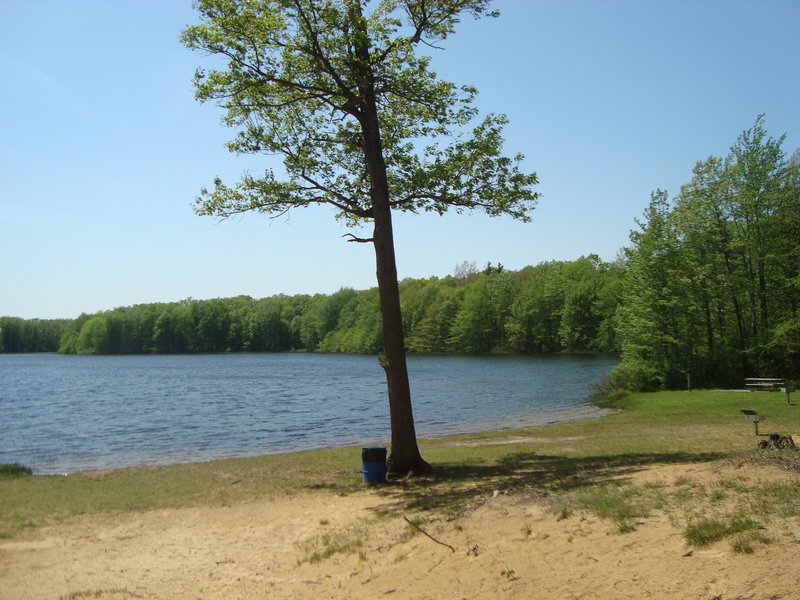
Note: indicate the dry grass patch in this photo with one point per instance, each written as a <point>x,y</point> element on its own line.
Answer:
<point>336,540</point>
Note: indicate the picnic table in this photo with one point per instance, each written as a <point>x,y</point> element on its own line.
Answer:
<point>770,384</point>
<point>764,384</point>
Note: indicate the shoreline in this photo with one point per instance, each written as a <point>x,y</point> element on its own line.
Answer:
<point>78,415</point>
<point>541,419</point>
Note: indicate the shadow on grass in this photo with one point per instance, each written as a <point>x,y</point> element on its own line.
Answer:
<point>454,486</point>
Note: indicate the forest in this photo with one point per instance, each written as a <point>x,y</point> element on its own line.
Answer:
<point>709,287</point>
<point>552,307</point>
<point>30,335</point>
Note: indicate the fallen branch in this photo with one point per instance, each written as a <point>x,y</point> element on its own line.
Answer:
<point>421,530</point>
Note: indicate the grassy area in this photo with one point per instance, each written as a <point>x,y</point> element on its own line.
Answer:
<point>35,500</point>
<point>583,457</point>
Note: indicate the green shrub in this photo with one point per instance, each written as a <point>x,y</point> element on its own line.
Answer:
<point>11,471</point>
<point>636,376</point>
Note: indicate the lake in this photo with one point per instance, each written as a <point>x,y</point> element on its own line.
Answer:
<point>63,414</point>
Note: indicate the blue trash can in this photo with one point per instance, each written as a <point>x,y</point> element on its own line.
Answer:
<point>373,464</point>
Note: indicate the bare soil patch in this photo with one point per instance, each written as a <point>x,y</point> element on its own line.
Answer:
<point>508,545</point>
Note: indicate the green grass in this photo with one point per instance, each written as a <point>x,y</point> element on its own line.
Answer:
<point>778,499</point>
<point>588,457</point>
<point>621,503</point>
<point>746,542</point>
<point>706,531</point>
<point>32,501</point>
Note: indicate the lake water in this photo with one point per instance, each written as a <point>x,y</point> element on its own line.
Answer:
<point>62,414</point>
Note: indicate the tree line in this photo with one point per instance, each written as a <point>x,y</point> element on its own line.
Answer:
<point>30,335</point>
<point>712,289</point>
<point>552,307</point>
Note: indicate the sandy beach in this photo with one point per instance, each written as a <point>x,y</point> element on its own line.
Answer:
<point>509,544</point>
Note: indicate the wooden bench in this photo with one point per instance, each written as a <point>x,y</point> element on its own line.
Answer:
<point>764,384</point>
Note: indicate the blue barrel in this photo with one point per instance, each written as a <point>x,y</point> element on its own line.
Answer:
<point>373,464</point>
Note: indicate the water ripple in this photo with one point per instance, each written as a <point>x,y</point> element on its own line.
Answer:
<point>70,413</point>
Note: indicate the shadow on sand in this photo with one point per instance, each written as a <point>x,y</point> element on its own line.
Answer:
<point>453,486</point>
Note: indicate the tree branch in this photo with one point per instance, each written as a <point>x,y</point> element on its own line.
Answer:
<point>345,204</point>
<point>353,238</point>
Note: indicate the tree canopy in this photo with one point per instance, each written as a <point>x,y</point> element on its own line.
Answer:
<point>298,80</point>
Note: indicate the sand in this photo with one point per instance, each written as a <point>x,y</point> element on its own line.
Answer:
<point>509,545</point>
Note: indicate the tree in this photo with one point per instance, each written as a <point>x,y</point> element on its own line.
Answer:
<point>581,312</point>
<point>213,321</point>
<point>480,323</point>
<point>173,329</point>
<point>363,124</point>
<point>30,335</point>
<point>535,315</point>
<point>712,281</point>
<point>93,337</point>
<point>653,314</point>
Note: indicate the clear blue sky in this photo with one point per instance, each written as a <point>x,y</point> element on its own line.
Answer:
<point>103,147</point>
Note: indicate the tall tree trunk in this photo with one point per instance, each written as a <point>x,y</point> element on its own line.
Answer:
<point>405,456</point>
